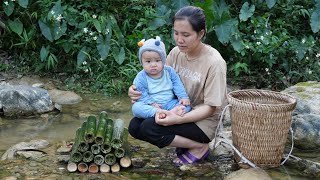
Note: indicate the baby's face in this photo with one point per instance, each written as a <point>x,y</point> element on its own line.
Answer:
<point>152,63</point>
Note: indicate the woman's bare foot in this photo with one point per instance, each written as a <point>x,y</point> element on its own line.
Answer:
<point>193,155</point>
<point>179,110</point>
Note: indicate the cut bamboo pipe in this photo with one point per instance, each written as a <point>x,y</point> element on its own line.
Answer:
<point>98,159</point>
<point>125,162</point>
<point>106,146</point>
<point>83,167</point>
<point>110,159</point>
<point>115,167</point>
<point>83,145</point>
<point>101,129</point>
<point>95,148</point>
<point>104,168</point>
<point>90,129</point>
<point>93,168</point>
<point>72,167</point>
<point>116,141</point>
<point>119,152</point>
<point>87,156</point>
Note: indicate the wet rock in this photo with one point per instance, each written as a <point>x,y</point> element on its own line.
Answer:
<point>63,158</point>
<point>306,117</point>
<point>306,128</point>
<point>306,167</point>
<point>117,107</point>
<point>38,85</point>
<point>65,147</point>
<point>20,100</point>
<point>64,97</point>
<point>248,174</point>
<point>30,154</point>
<point>33,144</point>
<point>308,97</point>
<point>138,162</point>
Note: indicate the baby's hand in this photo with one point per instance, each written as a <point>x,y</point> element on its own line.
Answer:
<point>156,105</point>
<point>184,101</point>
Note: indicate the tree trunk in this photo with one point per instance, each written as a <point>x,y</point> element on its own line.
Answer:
<point>117,134</point>
<point>90,129</point>
<point>101,130</point>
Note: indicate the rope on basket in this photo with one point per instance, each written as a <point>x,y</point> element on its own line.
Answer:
<point>219,132</point>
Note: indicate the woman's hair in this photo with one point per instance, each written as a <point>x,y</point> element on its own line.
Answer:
<point>194,15</point>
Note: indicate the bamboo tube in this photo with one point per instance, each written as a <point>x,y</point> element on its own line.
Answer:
<point>87,156</point>
<point>115,167</point>
<point>93,168</point>
<point>125,161</point>
<point>95,148</point>
<point>89,135</point>
<point>106,146</point>
<point>101,130</point>
<point>98,159</point>
<point>119,152</point>
<point>72,167</point>
<point>117,134</point>
<point>82,167</point>
<point>76,156</point>
<point>104,168</point>
<point>83,145</point>
<point>110,159</point>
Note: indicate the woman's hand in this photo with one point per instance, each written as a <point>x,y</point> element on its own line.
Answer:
<point>134,94</point>
<point>166,118</point>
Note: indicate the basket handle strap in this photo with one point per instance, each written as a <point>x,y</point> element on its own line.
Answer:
<point>219,132</point>
<point>292,144</point>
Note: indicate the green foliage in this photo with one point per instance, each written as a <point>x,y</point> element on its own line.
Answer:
<point>266,43</point>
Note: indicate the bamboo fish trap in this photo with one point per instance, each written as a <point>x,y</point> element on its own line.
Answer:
<point>260,122</point>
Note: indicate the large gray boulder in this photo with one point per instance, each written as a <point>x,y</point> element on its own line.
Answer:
<point>306,117</point>
<point>22,100</point>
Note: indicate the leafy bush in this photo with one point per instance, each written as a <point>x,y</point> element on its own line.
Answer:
<point>270,44</point>
<point>92,39</point>
<point>266,43</point>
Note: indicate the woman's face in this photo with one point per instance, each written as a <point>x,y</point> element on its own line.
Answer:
<point>185,37</point>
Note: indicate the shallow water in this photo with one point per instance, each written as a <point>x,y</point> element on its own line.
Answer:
<point>57,127</point>
<point>62,126</point>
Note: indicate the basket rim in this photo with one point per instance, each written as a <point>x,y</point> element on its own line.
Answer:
<point>291,100</point>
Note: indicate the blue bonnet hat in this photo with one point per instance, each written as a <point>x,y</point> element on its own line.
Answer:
<point>153,45</point>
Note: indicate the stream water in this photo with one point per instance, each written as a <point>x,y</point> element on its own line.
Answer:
<point>156,163</point>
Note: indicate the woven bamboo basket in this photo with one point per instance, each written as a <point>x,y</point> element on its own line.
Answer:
<point>261,120</point>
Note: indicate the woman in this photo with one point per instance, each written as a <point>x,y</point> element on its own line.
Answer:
<point>203,73</point>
